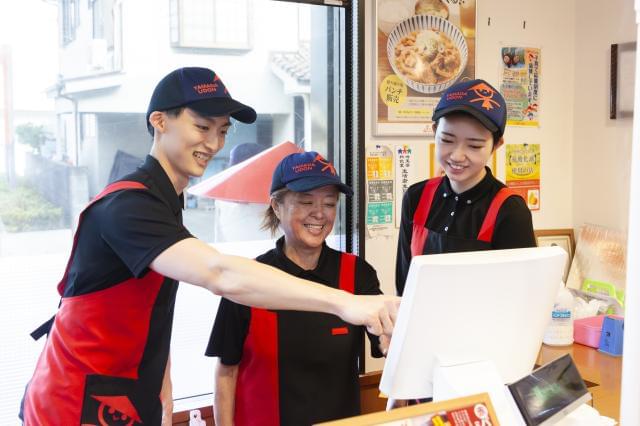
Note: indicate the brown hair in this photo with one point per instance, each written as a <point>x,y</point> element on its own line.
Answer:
<point>270,221</point>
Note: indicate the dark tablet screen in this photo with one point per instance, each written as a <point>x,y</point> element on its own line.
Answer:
<point>548,390</point>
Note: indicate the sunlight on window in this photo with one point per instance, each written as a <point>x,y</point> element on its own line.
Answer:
<point>72,119</point>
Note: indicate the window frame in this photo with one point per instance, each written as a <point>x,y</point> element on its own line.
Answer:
<point>176,25</point>
<point>70,18</point>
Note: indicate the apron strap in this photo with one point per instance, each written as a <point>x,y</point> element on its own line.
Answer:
<point>420,232</point>
<point>489,223</point>
<point>347,272</point>
<point>114,187</point>
<point>45,327</point>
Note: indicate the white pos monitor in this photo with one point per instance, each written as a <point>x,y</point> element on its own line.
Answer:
<point>460,308</point>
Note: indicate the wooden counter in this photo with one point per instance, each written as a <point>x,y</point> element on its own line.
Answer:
<point>604,371</point>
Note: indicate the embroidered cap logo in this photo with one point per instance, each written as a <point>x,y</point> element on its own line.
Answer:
<point>485,95</point>
<point>326,164</point>
<point>204,88</point>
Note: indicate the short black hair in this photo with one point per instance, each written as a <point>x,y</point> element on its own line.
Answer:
<point>173,112</point>
<point>495,135</point>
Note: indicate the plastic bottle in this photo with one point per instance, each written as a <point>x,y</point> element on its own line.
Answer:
<point>559,332</point>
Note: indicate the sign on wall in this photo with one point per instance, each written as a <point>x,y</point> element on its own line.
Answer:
<point>522,163</point>
<point>421,48</point>
<point>405,175</point>
<point>379,163</point>
<point>520,85</point>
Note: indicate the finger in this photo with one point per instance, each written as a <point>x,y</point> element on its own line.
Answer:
<point>394,306</point>
<point>387,323</point>
<point>375,327</point>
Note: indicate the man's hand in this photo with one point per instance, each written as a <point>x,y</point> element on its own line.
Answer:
<point>377,313</point>
<point>385,342</point>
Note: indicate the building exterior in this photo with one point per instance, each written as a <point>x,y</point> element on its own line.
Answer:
<point>112,53</point>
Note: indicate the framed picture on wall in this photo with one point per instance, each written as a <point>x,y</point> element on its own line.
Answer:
<point>622,76</point>
<point>563,238</point>
<point>411,40</point>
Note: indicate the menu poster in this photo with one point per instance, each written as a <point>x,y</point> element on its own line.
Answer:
<point>379,164</point>
<point>477,414</point>
<point>523,172</point>
<point>474,410</point>
<point>520,85</point>
<point>422,47</point>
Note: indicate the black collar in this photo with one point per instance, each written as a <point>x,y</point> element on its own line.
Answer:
<point>321,270</point>
<point>160,177</point>
<point>470,195</point>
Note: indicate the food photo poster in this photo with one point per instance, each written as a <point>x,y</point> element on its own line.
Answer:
<point>422,47</point>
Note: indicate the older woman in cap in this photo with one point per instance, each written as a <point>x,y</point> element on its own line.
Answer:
<point>291,367</point>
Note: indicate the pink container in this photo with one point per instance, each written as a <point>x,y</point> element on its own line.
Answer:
<point>586,331</point>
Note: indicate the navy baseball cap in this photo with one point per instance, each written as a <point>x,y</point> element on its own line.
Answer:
<point>478,98</point>
<point>201,90</point>
<point>305,171</point>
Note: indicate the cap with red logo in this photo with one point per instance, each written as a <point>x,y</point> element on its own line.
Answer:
<point>478,98</point>
<point>201,90</point>
<point>306,171</point>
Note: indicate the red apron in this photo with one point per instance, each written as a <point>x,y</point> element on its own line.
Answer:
<point>426,241</point>
<point>257,391</point>
<point>102,363</point>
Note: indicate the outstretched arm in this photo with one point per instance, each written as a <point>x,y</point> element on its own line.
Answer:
<point>254,284</point>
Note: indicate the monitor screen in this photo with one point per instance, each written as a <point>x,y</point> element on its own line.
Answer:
<point>474,306</point>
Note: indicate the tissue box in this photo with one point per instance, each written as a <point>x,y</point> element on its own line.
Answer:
<point>586,331</point>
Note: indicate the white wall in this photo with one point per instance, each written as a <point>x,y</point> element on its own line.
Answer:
<point>578,176</point>
<point>602,147</point>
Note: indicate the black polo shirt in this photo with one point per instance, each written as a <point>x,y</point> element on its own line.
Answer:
<point>120,235</point>
<point>316,374</point>
<point>461,216</point>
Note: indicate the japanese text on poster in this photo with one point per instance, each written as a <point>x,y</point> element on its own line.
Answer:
<point>523,172</point>
<point>379,161</point>
<point>520,85</point>
<point>405,175</point>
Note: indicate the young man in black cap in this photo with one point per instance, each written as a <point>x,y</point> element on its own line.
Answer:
<point>467,209</point>
<point>106,357</point>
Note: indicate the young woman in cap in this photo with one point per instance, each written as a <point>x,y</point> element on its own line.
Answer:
<point>106,359</point>
<point>304,364</point>
<point>467,209</point>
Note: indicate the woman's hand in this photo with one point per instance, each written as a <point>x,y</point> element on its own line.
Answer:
<point>166,396</point>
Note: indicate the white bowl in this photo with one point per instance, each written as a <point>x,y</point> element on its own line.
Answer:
<point>421,23</point>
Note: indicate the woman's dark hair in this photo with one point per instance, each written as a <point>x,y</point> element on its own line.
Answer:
<point>496,137</point>
<point>270,221</point>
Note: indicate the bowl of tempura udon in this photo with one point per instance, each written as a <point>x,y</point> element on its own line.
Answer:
<point>427,52</point>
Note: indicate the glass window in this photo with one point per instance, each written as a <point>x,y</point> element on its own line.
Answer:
<point>68,130</point>
<point>210,23</point>
<point>70,16</point>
